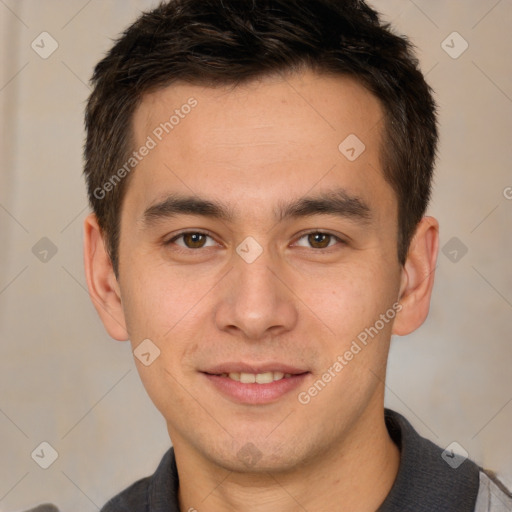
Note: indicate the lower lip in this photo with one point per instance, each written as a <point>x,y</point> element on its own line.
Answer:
<point>256,394</point>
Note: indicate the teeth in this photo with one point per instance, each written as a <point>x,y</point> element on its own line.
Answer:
<point>265,378</point>
<point>247,378</point>
<point>260,378</point>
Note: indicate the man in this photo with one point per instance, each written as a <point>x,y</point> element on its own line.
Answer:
<point>259,173</point>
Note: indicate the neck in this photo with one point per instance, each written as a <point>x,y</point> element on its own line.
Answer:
<point>355,475</point>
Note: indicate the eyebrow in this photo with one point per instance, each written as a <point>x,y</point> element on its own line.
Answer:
<point>336,202</point>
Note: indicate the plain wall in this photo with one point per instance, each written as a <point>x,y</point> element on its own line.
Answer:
<point>64,381</point>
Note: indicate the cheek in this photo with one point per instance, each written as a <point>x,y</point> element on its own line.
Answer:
<point>350,304</point>
<point>345,299</point>
<point>157,301</point>
<point>162,384</point>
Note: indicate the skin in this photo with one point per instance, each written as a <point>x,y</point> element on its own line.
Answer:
<point>301,302</point>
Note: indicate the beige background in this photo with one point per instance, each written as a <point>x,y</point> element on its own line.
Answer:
<point>63,380</point>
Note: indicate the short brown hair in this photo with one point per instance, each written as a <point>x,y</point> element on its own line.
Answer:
<point>221,42</point>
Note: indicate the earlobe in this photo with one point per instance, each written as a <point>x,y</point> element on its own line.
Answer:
<point>102,283</point>
<point>418,277</point>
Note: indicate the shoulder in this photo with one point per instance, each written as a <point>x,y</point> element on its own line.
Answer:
<point>493,496</point>
<point>132,499</point>
<point>428,479</point>
<point>155,492</point>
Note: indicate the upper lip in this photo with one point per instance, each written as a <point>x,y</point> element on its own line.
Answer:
<point>253,368</point>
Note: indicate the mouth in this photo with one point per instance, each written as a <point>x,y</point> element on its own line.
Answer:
<point>255,385</point>
<point>255,378</point>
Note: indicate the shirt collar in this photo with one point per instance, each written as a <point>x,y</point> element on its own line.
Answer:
<point>425,481</point>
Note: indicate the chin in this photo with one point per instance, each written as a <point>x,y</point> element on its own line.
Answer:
<point>258,456</point>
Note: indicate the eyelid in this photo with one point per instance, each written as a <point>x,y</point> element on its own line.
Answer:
<point>340,239</point>
<point>207,233</point>
<point>175,236</point>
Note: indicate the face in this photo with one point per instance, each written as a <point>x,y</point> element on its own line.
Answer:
<point>254,247</point>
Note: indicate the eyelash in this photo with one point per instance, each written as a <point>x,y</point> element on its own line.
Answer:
<point>205,233</point>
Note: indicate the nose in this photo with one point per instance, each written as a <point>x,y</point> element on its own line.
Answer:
<point>257,299</point>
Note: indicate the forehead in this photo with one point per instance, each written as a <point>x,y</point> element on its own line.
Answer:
<point>325,102</point>
<point>291,131</point>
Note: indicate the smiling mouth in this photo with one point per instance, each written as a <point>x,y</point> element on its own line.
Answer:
<point>244,384</point>
<point>255,378</point>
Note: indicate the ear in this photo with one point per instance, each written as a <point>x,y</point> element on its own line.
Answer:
<point>418,277</point>
<point>102,282</point>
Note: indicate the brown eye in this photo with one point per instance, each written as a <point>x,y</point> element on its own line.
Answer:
<point>192,240</point>
<point>319,240</point>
